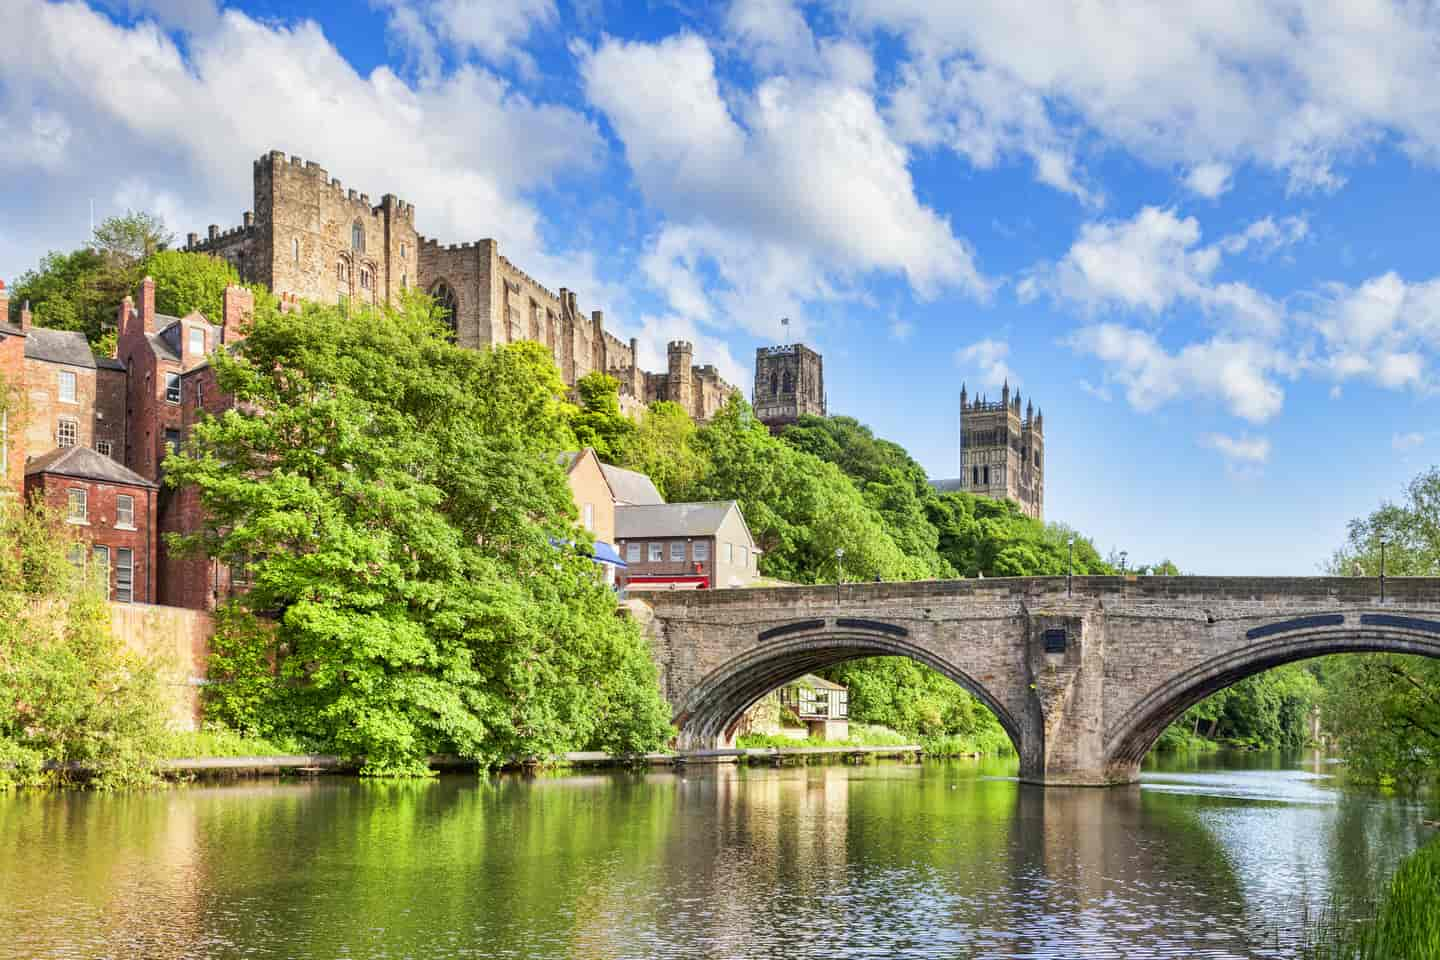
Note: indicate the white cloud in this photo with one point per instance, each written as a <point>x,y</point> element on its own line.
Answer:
<point>1154,261</point>
<point>987,357</point>
<point>1099,393</point>
<point>494,30</point>
<point>773,34</point>
<point>1267,235</point>
<point>1384,329</point>
<point>1295,88</point>
<point>188,121</point>
<point>1406,441</point>
<point>1243,449</point>
<point>1209,179</point>
<point>792,195</point>
<point>900,329</point>
<point>1240,374</point>
<point>654,333</point>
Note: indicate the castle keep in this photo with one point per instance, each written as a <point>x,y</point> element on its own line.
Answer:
<point>1002,452</point>
<point>310,238</point>
<point>789,383</point>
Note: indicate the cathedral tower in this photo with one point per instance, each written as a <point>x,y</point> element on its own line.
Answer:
<point>1002,450</point>
<point>789,383</point>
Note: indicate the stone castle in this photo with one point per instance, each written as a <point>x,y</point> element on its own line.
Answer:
<point>1002,451</point>
<point>309,238</point>
<point>789,383</point>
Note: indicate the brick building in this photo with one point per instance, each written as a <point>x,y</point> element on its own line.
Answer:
<point>686,546</point>
<point>310,237</point>
<point>113,507</point>
<point>1002,451</point>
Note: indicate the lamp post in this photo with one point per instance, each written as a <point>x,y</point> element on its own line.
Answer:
<point>1382,569</point>
<point>1123,555</point>
<point>839,567</point>
<point>1069,564</point>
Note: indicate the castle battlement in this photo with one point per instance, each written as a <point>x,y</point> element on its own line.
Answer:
<point>776,351</point>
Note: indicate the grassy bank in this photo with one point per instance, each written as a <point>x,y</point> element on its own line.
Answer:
<point>1406,923</point>
<point>223,742</point>
<point>866,735</point>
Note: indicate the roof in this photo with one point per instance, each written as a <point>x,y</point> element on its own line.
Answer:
<point>109,363</point>
<point>166,343</point>
<point>85,464</point>
<point>815,683</point>
<point>59,346</point>
<point>674,519</point>
<point>631,487</point>
<point>954,485</point>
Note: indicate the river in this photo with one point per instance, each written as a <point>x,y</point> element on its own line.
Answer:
<point>1220,856</point>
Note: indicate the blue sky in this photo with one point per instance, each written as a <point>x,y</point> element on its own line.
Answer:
<point>1202,241</point>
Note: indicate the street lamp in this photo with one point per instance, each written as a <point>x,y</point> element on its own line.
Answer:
<point>839,566</point>
<point>1123,555</point>
<point>1069,565</point>
<point>1382,569</point>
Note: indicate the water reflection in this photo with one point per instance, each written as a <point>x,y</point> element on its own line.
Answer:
<point>1210,858</point>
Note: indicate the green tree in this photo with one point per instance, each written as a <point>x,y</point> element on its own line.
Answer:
<point>1384,709</point>
<point>131,237</point>
<point>398,502</point>
<point>186,282</point>
<point>599,423</point>
<point>664,449</point>
<point>70,690</point>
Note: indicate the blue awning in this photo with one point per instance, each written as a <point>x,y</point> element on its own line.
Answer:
<point>605,553</point>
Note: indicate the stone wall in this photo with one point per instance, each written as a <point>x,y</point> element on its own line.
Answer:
<point>789,384</point>
<point>182,637</point>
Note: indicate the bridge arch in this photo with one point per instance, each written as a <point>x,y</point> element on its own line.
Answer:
<point>1133,733</point>
<point>711,711</point>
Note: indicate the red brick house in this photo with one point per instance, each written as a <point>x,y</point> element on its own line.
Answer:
<point>113,507</point>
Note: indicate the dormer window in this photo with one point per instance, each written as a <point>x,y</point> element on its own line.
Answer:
<point>197,341</point>
<point>357,237</point>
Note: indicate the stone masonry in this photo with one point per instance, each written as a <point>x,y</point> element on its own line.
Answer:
<point>1084,681</point>
<point>311,238</point>
<point>1002,451</point>
<point>789,384</point>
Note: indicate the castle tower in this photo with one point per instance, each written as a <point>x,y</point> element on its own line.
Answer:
<point>789,383</point>
<point>1002,451</point>
<point>681,387</point>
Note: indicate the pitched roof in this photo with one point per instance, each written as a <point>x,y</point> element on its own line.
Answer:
<point>59,346</point>
<point>815,683</point>
<point>631,488</point>
<point>85,464</point>
<point>673,519</point>
<point>166,343</point>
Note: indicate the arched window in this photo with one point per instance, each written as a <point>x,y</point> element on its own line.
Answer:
<point>774,383</point>
<point>448,305</point>
<point>789,383</point>
<point>357,237</point>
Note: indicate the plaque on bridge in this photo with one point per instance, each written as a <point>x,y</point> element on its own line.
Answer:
<point>1054,641</point>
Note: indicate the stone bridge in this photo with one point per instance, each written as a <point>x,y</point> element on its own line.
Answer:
<point>1083,680</point>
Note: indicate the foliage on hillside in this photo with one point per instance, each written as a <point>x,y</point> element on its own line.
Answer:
<point>1385,708</point>
<point>81,290</point>
<point>397,502</point>
<point>70,691</point>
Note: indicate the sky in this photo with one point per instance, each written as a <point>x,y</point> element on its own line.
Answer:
<point>1202,241</point>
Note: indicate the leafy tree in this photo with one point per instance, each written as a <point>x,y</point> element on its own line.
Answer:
<point>185,282</point>
<point>1384,709</point>
<point>397,500</point>
<point>131,237</point>
<point>664,449</point>
<point>70,690</point>
<point>599,422</point>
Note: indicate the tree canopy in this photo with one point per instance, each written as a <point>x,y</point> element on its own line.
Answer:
<point>400,504</point>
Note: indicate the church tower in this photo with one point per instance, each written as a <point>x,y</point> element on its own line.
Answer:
<point>1002,450</point>
<point>789,383</point>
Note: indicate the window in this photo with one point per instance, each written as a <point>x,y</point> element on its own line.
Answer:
<point>448,305</point>
<point>78,510</point>
<point>677,552</point>
<point>295,249</point>
<point>172,388</point>
<point>700,550</point>
<point>589,513</point>
<point>744,556</point>
<point>340,271</point>
<point>66,432</point>
<point>357,237</point>
<point>403,250</point>
<point>657,552</point>
<point>729,553</point>
<point>404,281</point>
<point>199,393</point>
<point>172,441</point>
<point>632,553</point>
<point>197,341</point>
<point>103,447</point>
<point>986,474</point>
<point>974,476</point>
<point>76,556</point>
<point>67,387</point>
<point>124,575</point>
<point>100,555</point>
<point>364,279</point>
<point>240,572</point>
<point>125,512</point>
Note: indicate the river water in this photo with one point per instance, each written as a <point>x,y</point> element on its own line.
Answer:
<point>1215,857</point>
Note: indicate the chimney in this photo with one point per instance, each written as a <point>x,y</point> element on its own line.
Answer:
<point>122,317</point>
<point>147,304</point>
<point>238,309</point>
<point>25,316</point>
